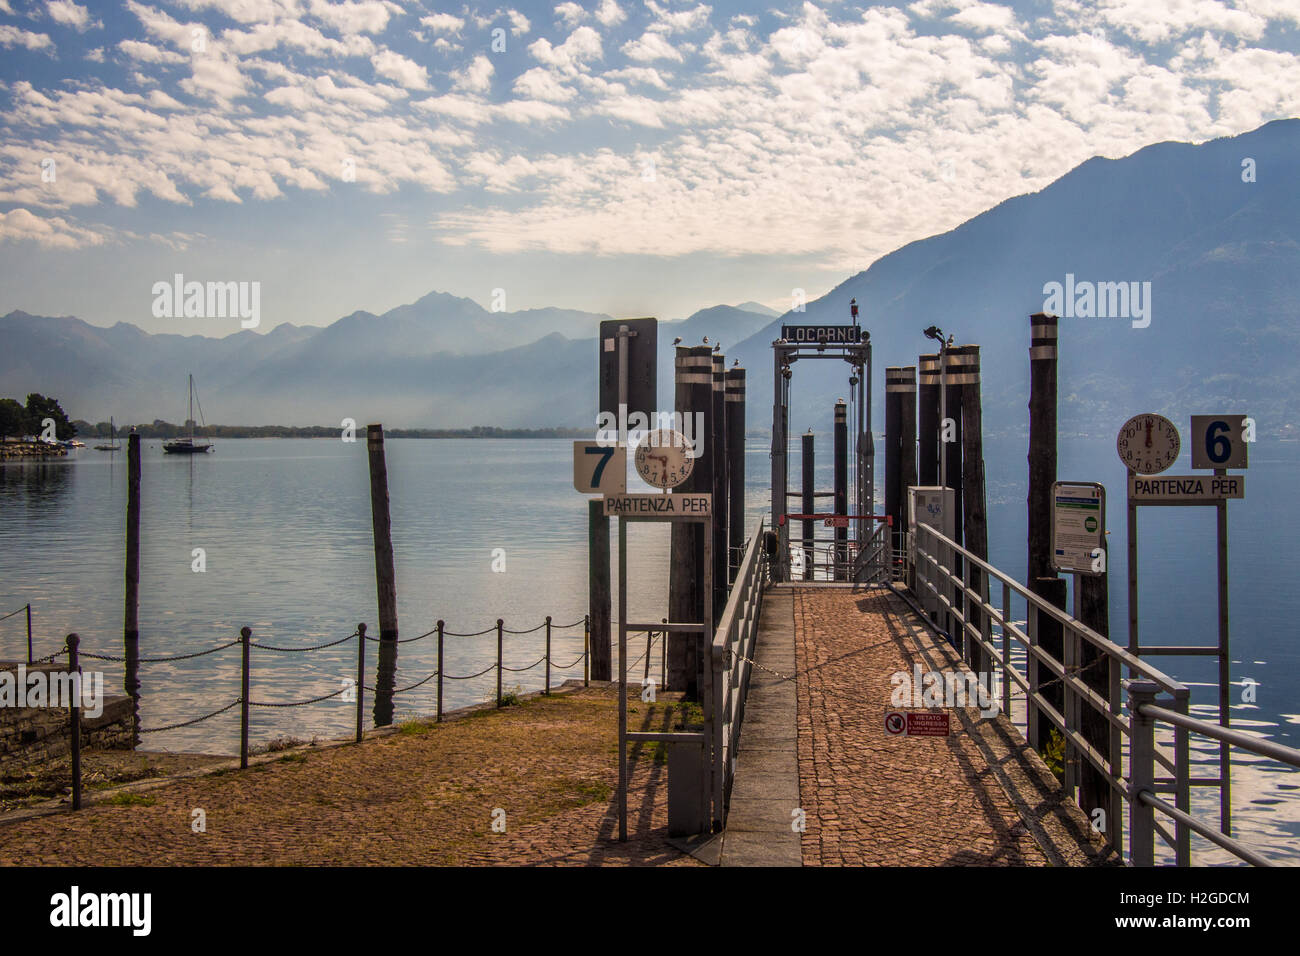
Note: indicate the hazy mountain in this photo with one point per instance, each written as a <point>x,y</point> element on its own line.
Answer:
<point>1222,257</point>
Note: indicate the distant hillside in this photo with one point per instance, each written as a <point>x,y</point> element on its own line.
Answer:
<point>1222,257</point>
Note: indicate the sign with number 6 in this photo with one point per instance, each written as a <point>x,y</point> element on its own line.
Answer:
<point>1220,441</point>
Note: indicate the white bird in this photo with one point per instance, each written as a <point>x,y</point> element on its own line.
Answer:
<point>706,340</point>
<point>677,341</point>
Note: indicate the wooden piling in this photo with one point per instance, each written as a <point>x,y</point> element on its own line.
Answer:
<point>974,503</point>
<point>841,465</point>
<point>954,361</point>
<point>927,420</point>
<point>694,394</point>
<point>808,490</point>
<point>900,443</point>
<point>1042,473</point>
<point>734,400</point>
<point>131,623</point>
<point>599,596</point>
<point>385,577</point>
<point>1093,609</point>
<point>74,726</point>
<point>721,485</point>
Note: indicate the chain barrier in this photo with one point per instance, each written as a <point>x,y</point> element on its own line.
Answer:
<point>155,730</point>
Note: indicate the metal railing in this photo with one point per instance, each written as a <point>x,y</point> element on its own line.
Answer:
<point>940,572</point>
<point>732,661</point>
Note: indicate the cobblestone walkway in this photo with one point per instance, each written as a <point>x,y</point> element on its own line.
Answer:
<point>426,796</point>
<point>975,798</point>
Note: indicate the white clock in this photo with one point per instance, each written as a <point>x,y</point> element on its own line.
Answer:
<point>662,459</point>
<point>1148,444</point>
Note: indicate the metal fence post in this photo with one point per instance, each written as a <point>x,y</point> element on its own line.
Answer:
<point>245,635</point>
<point>500,631</point>
<point>1182,780</point>
<point>440,626</point>
<point>663,658</point>
<point>361,679</point>
<point>29,632</point>
<point>1070,667</point>
<point>1142,750</point>
<point>74,727</point>
<point>1034,719</point>
<point>1006,649</point>
<point>586,650</point>
<point>548,655</point>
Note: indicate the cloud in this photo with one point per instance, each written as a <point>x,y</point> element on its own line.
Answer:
<point>395,67</point>
<point>581,47</point>
<point>477,77</point>
<point>609,13</point>
<point>651,47</point>
<point>571,14</point>
<point>443,23</point>
<point>50,232</point>
<point>70,14</point>
<point>13,36</point>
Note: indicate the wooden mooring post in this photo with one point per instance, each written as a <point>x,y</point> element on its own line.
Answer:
<point>721,484</point>
<point>131,622</point>
<point>841,466</point>
<point>808,489</point>
<point>734,399</point>
<point>950,440</point>
<point>694,394</point>
<point>1042,473</point>
<point>74,726</point>
<point>927,420</point>
<point>966,371</point>
<point>385,577</point>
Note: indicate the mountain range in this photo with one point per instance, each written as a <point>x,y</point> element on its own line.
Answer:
<point>1211,231</point>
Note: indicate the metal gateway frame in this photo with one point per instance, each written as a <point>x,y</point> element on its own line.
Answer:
<point>862,454</point>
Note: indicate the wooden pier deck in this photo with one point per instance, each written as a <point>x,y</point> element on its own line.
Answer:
<point>814,740</point>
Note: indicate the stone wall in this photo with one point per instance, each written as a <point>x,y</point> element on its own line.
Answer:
<point>35,735</point>
<point>30,451</point>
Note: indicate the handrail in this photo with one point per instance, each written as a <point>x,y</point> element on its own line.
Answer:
<point>1141,786</point>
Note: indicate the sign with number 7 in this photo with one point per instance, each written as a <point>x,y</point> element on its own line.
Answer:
<point>599,469</point>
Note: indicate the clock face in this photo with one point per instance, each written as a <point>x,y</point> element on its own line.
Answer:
<point>662,459</point>
<point>1148,444</point>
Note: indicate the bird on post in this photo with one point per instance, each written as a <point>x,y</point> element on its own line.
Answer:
<point>717,347</point>
<point>706,340</point>
<point>677,341</point>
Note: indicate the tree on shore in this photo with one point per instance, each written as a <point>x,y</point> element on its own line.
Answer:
<point>39,408</point>
<point>13,419</point>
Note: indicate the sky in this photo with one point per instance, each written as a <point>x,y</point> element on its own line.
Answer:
<point>633,157</point>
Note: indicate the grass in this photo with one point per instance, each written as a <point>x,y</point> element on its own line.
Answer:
<point>131,800</point>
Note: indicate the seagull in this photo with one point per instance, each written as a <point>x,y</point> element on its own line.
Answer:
<point>736,364</point>
<point>706,340</point>
<point>677,341</point>
<point>718,347</point>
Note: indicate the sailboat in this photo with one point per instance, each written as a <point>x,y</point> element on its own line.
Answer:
<point>188,446</point>
<point>114,444</point>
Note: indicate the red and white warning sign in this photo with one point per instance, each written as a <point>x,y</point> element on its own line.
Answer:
<point>918,723</point>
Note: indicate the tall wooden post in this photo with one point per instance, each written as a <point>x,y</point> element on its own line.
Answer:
<point>1093,609</point>
<point>131,622</point>
<point>841,488</point>
<point>808,489</point>
<point>1042,473</point>
<point>734,400</point>
<point>720,486</point>
<point>927,420</point>
<point>900,444</point>
<point>385,577</point>
<point>598,590</point>
<point>974,503</point>
<point>694,394</point>
<point>953,363</point>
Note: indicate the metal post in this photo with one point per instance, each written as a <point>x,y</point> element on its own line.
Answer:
<point>1115,800</point>
<point>131,621</point>
<point>586,650</point>
<point>1225,672</point>
<point>1132,568</point>
<point>734,399</point>
<point>1182,780</point>
<point>548,655</point>
<point>1071,713</point>
<point>779,467</point>
<point>245,636</point>
<point>74,726</point>
<point>1142,749</point>
<point>29,632</point>
<point>500,632</point>
<point>622,679</point>
<point>361,680</point>
<point>1033,730</point>
<point>808,487</point>
<point>841,464</point>
<point>1006,649</point>
<point>598,586</point>
<point>440,635</point>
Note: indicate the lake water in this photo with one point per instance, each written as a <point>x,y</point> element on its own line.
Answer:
<point>286,530</point>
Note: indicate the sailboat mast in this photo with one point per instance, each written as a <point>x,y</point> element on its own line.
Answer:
<point>191,409</point>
